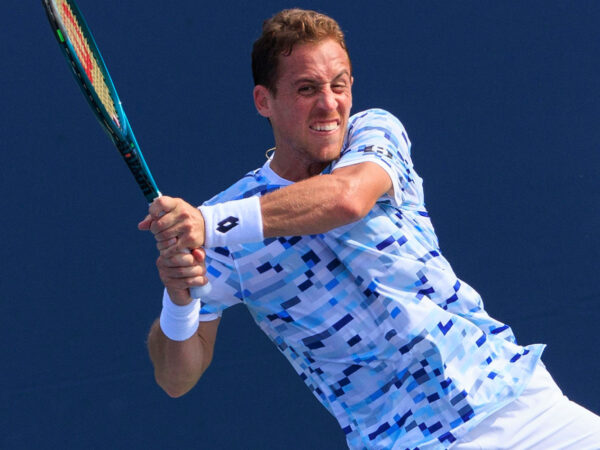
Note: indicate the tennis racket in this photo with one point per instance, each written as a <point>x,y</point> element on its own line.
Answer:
<point>79,47</point>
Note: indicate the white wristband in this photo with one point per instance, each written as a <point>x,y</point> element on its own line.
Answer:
<point>177,322</point>
<point>233,222</point>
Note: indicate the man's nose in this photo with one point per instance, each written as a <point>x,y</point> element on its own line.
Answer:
<point>327,98</point>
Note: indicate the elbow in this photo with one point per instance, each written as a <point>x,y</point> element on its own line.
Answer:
<point>174,392</point>
<point>174,389</point>
<point>174,385</point>
<point>351,205</point>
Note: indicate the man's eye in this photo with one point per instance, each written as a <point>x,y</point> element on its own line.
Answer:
<point>339,87</point>
<point>306,90</point>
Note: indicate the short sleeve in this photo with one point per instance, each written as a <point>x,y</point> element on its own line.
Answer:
<point>224,282</point>
<point>377,136</point>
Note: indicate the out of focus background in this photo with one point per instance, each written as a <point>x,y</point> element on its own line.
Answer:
<point>501,102</point>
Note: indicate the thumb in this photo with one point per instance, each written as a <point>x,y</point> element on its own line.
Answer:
<point>199,254</point>
<point>144,225</point>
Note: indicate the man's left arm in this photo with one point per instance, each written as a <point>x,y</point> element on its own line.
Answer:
<point>322,203</point>
<point>312,206</point>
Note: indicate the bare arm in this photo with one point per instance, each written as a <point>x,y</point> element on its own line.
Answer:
<point>324,202</point>
<point>315,205</point>
<point>179,365</point>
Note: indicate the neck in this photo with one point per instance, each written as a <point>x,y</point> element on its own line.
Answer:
<point>295,170</point>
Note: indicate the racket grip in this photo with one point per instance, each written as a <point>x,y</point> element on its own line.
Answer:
<point>200,291</point>
<point>197,291</point>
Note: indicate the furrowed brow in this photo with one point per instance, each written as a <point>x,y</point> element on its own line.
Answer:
<point>320,82</point>
<point>341,75</point>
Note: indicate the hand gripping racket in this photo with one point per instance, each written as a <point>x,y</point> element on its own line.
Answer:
<point>78,45</point>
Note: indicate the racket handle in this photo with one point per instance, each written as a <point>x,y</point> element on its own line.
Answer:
<point>197,291</point>
<point>200,291</point>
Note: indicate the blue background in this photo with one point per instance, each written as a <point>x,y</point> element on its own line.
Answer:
<point>500,99</point>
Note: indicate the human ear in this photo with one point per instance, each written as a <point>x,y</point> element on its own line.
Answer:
<point>262,102</point>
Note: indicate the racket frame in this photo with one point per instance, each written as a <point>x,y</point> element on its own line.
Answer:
<point>121,134</point>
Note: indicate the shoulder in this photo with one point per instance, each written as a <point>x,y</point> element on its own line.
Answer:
<point>378,121</point>
<point>376,128</point>
<point>375,116</point>
<point>251,184</point>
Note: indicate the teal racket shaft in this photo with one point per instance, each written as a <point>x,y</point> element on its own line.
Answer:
<point>79,48</point>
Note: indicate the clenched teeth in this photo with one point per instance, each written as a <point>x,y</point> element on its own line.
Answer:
<point>325,126</point>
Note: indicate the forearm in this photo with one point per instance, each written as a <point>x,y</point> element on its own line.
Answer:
<point>312,206</point>
<point>178,365</point>
<point>323,202</point>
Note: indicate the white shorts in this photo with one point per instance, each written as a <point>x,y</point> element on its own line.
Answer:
<point>540,418</point>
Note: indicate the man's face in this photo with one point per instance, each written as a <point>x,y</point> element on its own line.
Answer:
<point>309,113</point>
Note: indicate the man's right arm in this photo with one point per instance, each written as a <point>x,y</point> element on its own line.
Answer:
<point>178,365</point>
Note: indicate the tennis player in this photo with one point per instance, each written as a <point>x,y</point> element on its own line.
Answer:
<point>330,247</point>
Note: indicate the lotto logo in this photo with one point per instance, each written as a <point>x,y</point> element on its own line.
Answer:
<point>379,151</point>
<point>227,224</point>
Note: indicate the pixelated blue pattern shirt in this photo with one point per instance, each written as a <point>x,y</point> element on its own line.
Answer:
<point>371,315</point>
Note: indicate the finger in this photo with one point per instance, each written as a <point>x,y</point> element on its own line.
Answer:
<point>175,223</point>
<point>179,260</point>
<point>178,273</point>
<point>198,281</point>
<point>176,217</point>
<point>179,221</point>
<point>161,206</point>
<point>145,224</point>
<point>190,239</point>
<point>163,245</point>
<point>171,247</point>
<point>171,251</point>
<point>199,254</point>
<point>166,222</point>
<point>183,277</point>
<point>185,236</point>
<point>166,229</point>
<point>183,260</point>
<point>184,283</point>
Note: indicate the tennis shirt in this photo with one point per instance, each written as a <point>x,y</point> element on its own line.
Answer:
<point>371,315</point>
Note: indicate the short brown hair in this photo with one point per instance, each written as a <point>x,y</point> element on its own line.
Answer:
<point>284,30</point>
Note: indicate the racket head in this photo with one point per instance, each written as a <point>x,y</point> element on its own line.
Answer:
<point>79,47</point>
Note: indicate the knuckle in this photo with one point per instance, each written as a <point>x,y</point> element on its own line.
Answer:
<point>196,281</point>
<point>157,226</point>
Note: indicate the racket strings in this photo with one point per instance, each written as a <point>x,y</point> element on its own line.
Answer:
<point>87,58</point>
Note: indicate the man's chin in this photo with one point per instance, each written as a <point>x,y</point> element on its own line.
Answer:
<point>331,152</point>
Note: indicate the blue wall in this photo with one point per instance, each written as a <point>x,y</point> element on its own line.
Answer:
<point>500,99</point>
